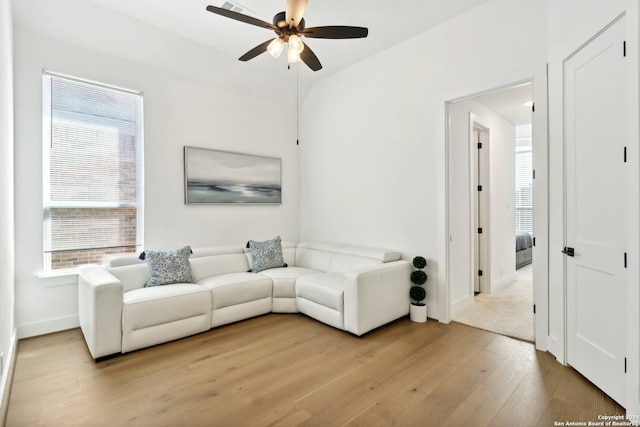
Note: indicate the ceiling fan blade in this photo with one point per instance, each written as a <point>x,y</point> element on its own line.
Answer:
<point>240,17</point>
<point>310,58</point>
<point>261,48</point>
<point>335,32</point>
<point>294,11</point>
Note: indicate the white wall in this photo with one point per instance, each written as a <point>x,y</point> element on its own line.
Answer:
<point>501,189</point>
<point>182,106</point>
<point>373,160</point>
<point>502,204</point>
<point>7,317</point>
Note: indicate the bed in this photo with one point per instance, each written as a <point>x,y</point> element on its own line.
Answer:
<point>524,245</point>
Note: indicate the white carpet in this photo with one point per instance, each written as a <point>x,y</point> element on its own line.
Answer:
<point>509,311</point>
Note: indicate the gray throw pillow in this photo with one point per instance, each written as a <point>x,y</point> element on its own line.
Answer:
<point>266,254</point>
<point>167,267</point>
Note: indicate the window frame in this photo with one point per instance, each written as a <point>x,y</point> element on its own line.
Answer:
<point>47,126</point>
<point>527,172</point>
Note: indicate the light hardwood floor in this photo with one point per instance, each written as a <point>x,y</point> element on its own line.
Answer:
<point>289,370</point>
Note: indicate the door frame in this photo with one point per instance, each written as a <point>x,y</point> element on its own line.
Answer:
<point>540,147</point>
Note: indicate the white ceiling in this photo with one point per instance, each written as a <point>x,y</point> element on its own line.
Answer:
<point>389,22</point>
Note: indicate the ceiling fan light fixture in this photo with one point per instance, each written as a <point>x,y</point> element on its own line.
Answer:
<point>292,56</point>
<point>295,44</point>
<point>275,47</point>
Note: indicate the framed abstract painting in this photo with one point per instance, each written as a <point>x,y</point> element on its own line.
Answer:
<point>225,177</point>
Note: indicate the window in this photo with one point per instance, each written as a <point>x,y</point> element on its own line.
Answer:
<point>524,179</point>
<point>92,161</point>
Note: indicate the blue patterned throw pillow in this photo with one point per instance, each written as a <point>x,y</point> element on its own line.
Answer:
<point>266,254</point>
<point>167,267</point>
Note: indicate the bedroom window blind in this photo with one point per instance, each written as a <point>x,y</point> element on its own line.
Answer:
<point>524,191</point>
<point>92,160</point>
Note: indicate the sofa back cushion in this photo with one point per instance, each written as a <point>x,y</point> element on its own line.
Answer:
<point>337,258</point>
<point>315,255</point>
<point>341,263</point>
<point>132,276</point>
<point>129,269</point>
<point>353,257</point>
<point>216,260</point>
<point>207,261</point>
<point>289,253</point>
<point>216,265</point>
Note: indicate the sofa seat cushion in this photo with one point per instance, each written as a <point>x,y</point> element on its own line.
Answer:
<point>284,280</point>
<point>157,305</point>
<point>326,289</point>
<point>237,288</point>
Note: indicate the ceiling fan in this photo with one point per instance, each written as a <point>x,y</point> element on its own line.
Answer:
<point>289,27</point>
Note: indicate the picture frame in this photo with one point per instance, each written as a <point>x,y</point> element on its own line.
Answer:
<point>226,177</point>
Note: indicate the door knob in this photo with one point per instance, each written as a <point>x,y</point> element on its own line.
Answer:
<point>568,251</point>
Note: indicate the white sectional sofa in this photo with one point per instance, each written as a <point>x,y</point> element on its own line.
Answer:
<point>352,288</point>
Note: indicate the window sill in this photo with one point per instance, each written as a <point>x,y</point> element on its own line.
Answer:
<point>59,278</point>
<point>64,277</point>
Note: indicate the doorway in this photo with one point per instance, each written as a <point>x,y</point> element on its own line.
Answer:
<point>486,288</point>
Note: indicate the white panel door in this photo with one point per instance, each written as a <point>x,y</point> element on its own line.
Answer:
<point>596,211</point>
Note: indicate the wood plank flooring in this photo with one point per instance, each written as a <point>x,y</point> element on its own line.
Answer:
<point>289,370</point>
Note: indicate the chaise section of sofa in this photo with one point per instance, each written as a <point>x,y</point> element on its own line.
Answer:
<point>351,288</point>
<point>359,289</point>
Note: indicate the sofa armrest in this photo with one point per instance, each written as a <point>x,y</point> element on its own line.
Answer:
<point>100,296</point>
<point>376,295</point>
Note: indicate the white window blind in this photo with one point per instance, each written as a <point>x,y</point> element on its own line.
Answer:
<point>93,143</point>
<point>524,191</point>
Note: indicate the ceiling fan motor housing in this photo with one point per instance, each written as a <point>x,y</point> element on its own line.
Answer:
<point>280,21</point>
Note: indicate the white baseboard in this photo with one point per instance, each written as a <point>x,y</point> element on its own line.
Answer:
<point>460,304</point>
<point>7,378</point>
<point>504,281</point>
<point>48,326</point>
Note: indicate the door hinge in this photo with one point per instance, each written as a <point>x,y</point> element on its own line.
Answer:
<point>624,48</point>
<point>534,309</point>
<point>625,154</point>
<point>479,272</point>
<point>533,107</point>
<point>534,241</point>
<point>479,145</point>
<point>625,365</point>
<point>479,187</point>
<point>625,260</point>
<point>480,230</point>
<point>533,173</point>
